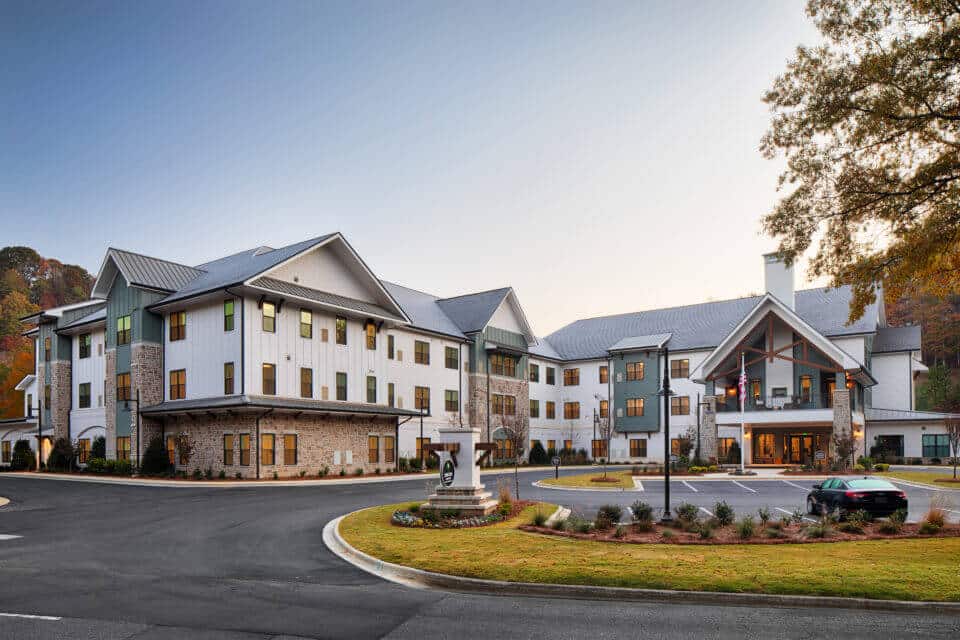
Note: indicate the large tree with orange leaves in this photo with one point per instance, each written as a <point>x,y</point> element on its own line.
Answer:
<point>869,123</point>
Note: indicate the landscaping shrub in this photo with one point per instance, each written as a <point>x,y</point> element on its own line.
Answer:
<point>860,517</point>
<point>889,527</point>
<point>850,527</point>
<point>197,475</point>
<point>538,455</point>
<point>539,518</point>
<point>208,474</point>
<point>928,528</point>
<point>96,465</point>
<point>415,464</point>
<point>343,472</point>
<point>433,462</point>
<point>746,528</point>
<point>612,511</point>
<point>560,525</point>
<point>865,462</point>
<point>222,475</point>
<point>155,460</point>
<point>899,516</point>
<point>774,532</point>
<point>764,514</point>
<point>935,516</point>
<point>503,491</point>
<point>666,534</point>
<point>577,524</point>
<point>859,468</point>
<point>98,448</point>
<point>357,472</point>
<point>723,513</point>
<point>324,472</point>
<point>881,466</point>
<point>414,508</point>
<point>821,529</point>
<point>687,512</point>
<point>504,509</point>
<point>705,529</point>
<point>642,512</point>
<point>61,455</point>
<point>603,521</point>
<point>797,516</point>
<point>779,524</point>
<point>23,458</point>
<point>620,531</point>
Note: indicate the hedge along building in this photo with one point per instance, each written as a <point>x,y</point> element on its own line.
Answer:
<point>298,358</point>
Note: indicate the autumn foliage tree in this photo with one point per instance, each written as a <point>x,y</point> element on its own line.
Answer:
<point>869,124</point>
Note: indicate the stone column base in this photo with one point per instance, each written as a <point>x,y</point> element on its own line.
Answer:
<point>469,502</point>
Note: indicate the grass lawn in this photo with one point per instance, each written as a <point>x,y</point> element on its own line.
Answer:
<point>582,480</point>
<point>925,477</point>
<point>914,569</point>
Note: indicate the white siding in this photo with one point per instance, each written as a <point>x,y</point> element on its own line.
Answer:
<point>204,350</point>
<point>894,375</point>
<point>90,422</point>
<point>505,318</point>
<point>323,269</point>
<point>855,346</point>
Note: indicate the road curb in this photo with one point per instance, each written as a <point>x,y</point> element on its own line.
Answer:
<point>4,501</point>
<point>420,579</point>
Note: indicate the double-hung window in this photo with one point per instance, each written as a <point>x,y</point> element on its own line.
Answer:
<point>571,377</point>
<point>178,325</point>
<point>341,386</point>
<point>341,337</point>
<point>306,382</point>
<point>451,358</point>
<point>571,410</point>
<point>84,395</point>
<point>635,371</point>
<point>306,323</point>
<point>421,398</point>
<point>680,406</point>
<point>421,352</point>
<point>451,400</point>
<point>634,407</point>
<point>680,368</point>
<point>372,389</point>
<point>371,330</point>
<point>123,331</point>
<point>269,376</point>
<point>269,322</point>
<point>228,315</point>
<point>84,343</point>
<point>267,448</point>
<point>178,384</point>
<point>290,449</point>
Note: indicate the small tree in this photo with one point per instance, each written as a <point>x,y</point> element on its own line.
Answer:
<point>953,436</point>
<point>98,448</point>
<point>844,445</point>
<point>61,455</point>
<point>685,445</point>
<point>539,455</point>
<point>155,458</point>
<point>514,431</point>
<point>605,431</point>
<point>23,458</point>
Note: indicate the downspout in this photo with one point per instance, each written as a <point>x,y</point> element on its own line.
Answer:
<point>243,341</point>
<point>396,445</point>
<point>460,383</point>
<point>488,396</point>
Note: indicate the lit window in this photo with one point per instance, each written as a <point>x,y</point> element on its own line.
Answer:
<point>227,378</point>
<point>171,450</point>
<point>389,449</point>
<point>571,377</point>
<point>421,398</point>
<point>123,448</point>
<point>420,444</point>
<point>371,336</point>
<point>680,368</point>
<point>571,410</point>
<point>123,330</point>
<point>290,449</point>
<point>634,407</point>
<point>267,448</point>
<point>680,406</point>
<point>306,323</point>
<point>421,352</point>
<point>373,449</point>
<point>228,450</point>
<point>245,449</point>
<point>502,365</point>
<point>604,374</point>
<point>604,408</point>
<point>6,451</point>
<point>638,447</point>
<point>341,331</point>
<point>228,315</point>
<point>46,349</point>
<point>269,321</point>
<point>306,382</point>
<point>551,410</point>
<point>534,408</point>
<point>178,325</point>
<point>269,376</point>
<point>83,450</point>
<point>599,448</point>
<point>178,384</point>
<point>123,386</point>
<point>534,373</point>
<point>635,371</point>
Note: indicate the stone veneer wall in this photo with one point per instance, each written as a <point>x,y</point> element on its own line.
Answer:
<point>708,430</point>
<point>841,415</point>
<point>110,402</point>
<point>146,375</point>
<point>317,440</point>
<point>60,394</point>
<point>477,403</point>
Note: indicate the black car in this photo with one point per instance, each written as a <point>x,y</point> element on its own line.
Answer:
<point>846,495</point>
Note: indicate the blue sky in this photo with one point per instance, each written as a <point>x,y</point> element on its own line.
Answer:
<point>600,157</point>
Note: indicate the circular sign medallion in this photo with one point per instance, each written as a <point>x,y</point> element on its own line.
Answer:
<point>446,475</point>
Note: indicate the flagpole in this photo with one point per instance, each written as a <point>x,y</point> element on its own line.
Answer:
<point>743,393</point>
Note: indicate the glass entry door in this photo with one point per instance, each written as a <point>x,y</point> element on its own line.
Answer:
<point>800,449</point>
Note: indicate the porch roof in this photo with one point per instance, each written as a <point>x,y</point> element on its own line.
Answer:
<point>246,402</point>
<point>904,415</point>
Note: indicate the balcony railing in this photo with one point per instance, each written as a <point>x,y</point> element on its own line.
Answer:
<point>776,403</point>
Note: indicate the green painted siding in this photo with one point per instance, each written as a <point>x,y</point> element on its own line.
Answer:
<point>816,375</point>
<point>646,389</point>
<point>509,339</point>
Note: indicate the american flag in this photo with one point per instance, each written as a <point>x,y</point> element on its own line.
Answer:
<point>742,385</point>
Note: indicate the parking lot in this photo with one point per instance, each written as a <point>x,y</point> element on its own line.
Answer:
<point>780,496</point>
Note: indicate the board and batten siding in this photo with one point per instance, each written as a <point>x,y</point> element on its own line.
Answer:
<point>204,350</point>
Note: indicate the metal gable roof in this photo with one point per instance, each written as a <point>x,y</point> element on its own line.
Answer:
<point>150,272</point>
<point>892,339</point>
<point>423,310</point>
<point>704,326</point>
<point>654,341</point>
<point>289,288</point>
<point>97,316</point>
<point>472,312</point>
<point>900,415</point>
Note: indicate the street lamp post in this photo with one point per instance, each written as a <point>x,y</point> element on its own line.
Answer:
<point>666,436</point>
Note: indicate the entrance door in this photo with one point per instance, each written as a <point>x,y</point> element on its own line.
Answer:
<point>800,449</point>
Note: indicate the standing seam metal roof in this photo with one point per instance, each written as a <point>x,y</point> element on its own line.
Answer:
<point>153,272</point>
<point>472,312</point>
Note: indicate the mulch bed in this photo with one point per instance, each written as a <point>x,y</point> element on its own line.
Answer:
<point>331,476</point>
<point>516,508</point>
<point>660,473</point>
<point>947,480</point>
<point>607,479</point>
<point>728,535</point>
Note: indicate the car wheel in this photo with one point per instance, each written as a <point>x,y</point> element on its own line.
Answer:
<point>811,507</point>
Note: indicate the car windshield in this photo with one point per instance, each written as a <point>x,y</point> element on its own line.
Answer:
<point>869,483</point>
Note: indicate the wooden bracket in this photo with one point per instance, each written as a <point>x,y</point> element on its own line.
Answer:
<point>487,447</point>
<point>453,448</point>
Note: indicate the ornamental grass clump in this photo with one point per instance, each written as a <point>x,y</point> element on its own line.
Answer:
<point>539,517</point>
<point>764,514</point>
<point>746,528</point>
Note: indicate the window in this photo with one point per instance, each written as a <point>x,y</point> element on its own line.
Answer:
<point>245,449</point>
<point>178,325</point>
<point>123,387</point>
<point>341,386</point>
<point>755,389</point>
<point>371,336</point>
<point>227,378</point>
<point>228,315</point>
<point>269,320</point>
<point>267,449</point>
<point>123,330</point>
<point>85,342</point>
<point>84,395</point>
<point>373,449</point>
<point>504,448</point>
<point>421,352</point>
<point>451,400</point>
<point>806,385</point>
<point>451,358</point>
<point>269,375</point>
<point>551,410</point>
<point>171,450</point>
<point>568,445</point>
<point>534,373</point>
<point>228,450</point>
<point>6,451</point>
<point>599,449</point>
<point>635,371</point>
<point>634,407</point>
<point>420,444</point>
<point>675,447</point>
<point>83,450</point>
<point>889,445</point>
<point>306,382</point>
<point>571,377</point>
<point>551,445</point>
<point>680,406</point>
<point>421,398</point>
<point>46,395</point>
<point>502,365</point>
<point>391,394</point>
<point>290,449</point>
<point>306,323</point>
<point>724,445</point>
<point>46,349</point>
<point>551,375</point>
<point>504,405</point>
<point>571,410</point>
<point>178,384</point>
<point>341,330</point>
<point>123,448</point>
<point>371,389</point>
<point>389,449</point>
<point>391,347</point>
<point>936,445</point>
<point>534,408</point>
<point>680,368</point>
<point>638,447</point>
<point>604,374</point>
<point>604,408</point>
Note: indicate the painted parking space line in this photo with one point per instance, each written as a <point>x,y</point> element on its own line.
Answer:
<point>8,536</point>
<point>794,484</point>
<point>689,486</point>
<point>790,513</point>
<point>29,616</point>
<point>637,484</point>
<point>706,511</point>
<point>744,486</point>
<point>916,485</point>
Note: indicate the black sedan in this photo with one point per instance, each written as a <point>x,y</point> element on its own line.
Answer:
<point>846,495</point>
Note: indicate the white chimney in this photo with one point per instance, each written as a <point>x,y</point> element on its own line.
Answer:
<point>778,279</point>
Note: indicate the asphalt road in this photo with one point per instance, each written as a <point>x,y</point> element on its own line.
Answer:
<point>114,561</point>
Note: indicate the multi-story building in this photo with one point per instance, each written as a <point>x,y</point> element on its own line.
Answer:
<point>294,359</point>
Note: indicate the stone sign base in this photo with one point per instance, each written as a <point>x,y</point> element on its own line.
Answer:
<point>469,501</point>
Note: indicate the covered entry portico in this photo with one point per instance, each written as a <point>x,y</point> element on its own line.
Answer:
<point>788,444</point>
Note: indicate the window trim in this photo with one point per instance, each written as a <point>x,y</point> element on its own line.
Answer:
<point>286,450</point>
<point>306,380</point>
<point>177,379</point>
<point>264,367</point>
<point>339,386</point>
<point>228,462</point>
<point>272,449</point>
<point>177,326</point>
<point>340,331</point>
<point>272,317</point>
<point>421,352</point>
<point>80,395</point>
<point>231,378</point>
<point>306,328</point>
<point>82,353</point>
<point>228,318</point>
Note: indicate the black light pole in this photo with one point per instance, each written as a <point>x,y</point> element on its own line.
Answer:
<point>666,436</point>
<point>421,437</point>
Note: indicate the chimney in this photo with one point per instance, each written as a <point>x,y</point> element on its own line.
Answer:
<point>778,279</point>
